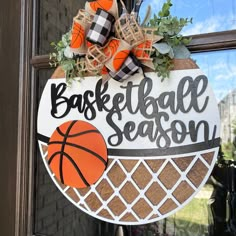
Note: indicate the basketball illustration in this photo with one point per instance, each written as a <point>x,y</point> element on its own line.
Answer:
<point>143,50</point>
<point>77,154</point>
<point>107,5</point>
<point>78,35</point>
<point>112,47</point>
<point>119,59</point>
<point>141,54</point>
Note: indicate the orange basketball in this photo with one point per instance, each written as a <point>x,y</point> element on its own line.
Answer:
<point>146,45</point>
<point>103,4</point>
<point>120,58</point>
<point>111,47</point>
<point>78,35</point>
<point>140,52</point>
<point>77,154</point>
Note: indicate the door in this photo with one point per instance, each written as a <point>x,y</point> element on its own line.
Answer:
<point>36,207</point>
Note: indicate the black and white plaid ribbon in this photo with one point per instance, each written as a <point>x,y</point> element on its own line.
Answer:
<point>101,27</point>
<point>130,67</point>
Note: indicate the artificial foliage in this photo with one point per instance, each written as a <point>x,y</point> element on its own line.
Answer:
<point>173,44</point>
<point>64,58</point>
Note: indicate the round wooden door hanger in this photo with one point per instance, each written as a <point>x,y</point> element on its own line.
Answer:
<point>132,152</point>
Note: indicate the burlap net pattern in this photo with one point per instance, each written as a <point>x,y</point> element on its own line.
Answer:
<point>141,190</point>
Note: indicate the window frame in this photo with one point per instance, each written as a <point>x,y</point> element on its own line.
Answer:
<point>207,42</point>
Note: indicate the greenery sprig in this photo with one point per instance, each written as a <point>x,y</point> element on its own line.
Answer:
<point>173,44</point>
<point>65,58</point>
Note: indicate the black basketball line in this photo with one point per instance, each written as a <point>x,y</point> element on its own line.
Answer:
<point>72,162</point>
<point>63,148</point>
<point>83,148</point>
<point>77,134</point>
<point>52,157</point>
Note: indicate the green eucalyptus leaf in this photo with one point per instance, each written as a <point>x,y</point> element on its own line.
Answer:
<point>59,57</point>
<point>64,41</point>
<point>68,53</point>
<point>165,11</point>
<point>162,48</point>
<point>181,52</point>
<point>186,41</point>
<point>160,61</point>
<point>157,53</point>
<point>171,53</point>
<point>60,44</point>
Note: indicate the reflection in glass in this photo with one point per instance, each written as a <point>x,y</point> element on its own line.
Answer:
<point>220,68</point>
<point>208,16</point>
<point>55,19</point>
<point>192,220</point>
<point>212,211</point>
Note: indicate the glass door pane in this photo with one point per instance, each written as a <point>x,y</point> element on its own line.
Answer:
<point>55,19</point>
<point>212,211</point>
<point>54,214</point>
<point>208,15</point>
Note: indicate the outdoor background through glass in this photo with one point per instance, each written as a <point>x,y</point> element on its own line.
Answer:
<point>208,15</point>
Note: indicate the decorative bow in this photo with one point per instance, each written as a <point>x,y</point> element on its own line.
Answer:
<point>110,45</point>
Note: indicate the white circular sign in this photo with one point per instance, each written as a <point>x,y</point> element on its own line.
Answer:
<point>162,141</point>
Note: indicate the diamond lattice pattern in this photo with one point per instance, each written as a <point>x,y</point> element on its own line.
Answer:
<point>144,191</point>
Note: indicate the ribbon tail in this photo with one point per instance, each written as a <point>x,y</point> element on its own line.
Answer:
<point>105,78</point>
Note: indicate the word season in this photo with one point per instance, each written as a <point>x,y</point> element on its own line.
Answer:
<point>155,110</point>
